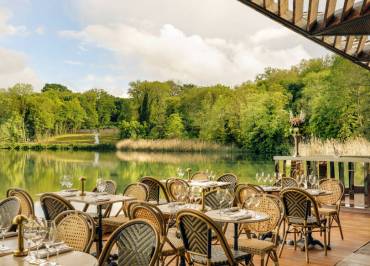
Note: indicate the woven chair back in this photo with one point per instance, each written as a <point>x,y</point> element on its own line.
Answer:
<point>137,243</point>
<point>52,205</point>
<point>9,208</point>
<point>27,205</point>
<point>231,178</point>
<point>199,176</point>
<point>298,204</point>
<point>139,191</point>
<point>155,188</point>
<point>286,182</point>
<point>196,231</point>
<point>244,191</point>
<point>335,187</point>
<point>269,204</point>
<point>146,211</point>
<point>175,184</point>
<point>212,201</point>
<point>76,229</point>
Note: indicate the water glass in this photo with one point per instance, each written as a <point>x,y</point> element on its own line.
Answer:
<point>49,240</point>
<point>229,197</point>
<point>5,224</point>
<point>180,173</point>
<point>66,182</point>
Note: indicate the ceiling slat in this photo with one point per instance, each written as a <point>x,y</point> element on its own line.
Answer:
<point>283,8</point>
<point>338,42</point>
<point>365,6</point>
<point>347,8</point>
<point>329,11</point>
<point>312,14</point>
<point>297,11</point>
<point>349,43</point>
<point>361,44</point>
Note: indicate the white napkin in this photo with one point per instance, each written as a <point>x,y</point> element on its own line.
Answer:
<point>43,253</point>
<point>102,198</point>
<point>67,194</point>
<point>240,215</point>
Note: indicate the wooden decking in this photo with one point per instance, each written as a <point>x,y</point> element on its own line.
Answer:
<point>356,229</point>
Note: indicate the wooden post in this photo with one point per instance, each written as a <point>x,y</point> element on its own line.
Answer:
<point>308,168</point>
<point>284,168</point>
<point>323,169</point>
<point>341,179</point>
<point>277,169</point>
<point>351,183</point>
<point>332,170</point>
<point>367,184</point>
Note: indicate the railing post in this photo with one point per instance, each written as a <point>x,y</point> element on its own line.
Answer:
<point>367,184</point>
<point>351,183</point>
<point>332,169</point>
<point>323,169</point>
<point>341,179</point>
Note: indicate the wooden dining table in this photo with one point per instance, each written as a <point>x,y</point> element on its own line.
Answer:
<point>98,200</point>
<point>71,258</point>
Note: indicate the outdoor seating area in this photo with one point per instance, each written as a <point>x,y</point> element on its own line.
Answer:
<point>179,221</point>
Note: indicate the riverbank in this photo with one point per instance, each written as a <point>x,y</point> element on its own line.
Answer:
<point>56,147</point>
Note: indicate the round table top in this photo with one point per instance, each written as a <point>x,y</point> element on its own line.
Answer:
<point>231,217</point>
<point>173,207</point>
<point>72,258</point>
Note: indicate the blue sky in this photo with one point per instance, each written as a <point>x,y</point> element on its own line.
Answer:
<point>88,44</point>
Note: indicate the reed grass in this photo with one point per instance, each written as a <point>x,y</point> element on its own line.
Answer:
<point>352,147</point>
<point>170,145</point>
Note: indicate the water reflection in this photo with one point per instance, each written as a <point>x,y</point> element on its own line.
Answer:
<point>40,171</point>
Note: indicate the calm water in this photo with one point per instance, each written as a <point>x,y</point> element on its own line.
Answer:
<point>40,171</point>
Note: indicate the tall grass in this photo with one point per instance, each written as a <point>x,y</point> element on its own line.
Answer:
<point>351,147</point>
<point>170,145</point>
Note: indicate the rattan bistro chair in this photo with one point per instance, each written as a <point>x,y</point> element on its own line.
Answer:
<point>52,205</point>
<point>229,177</point>
<point>76,229</point>
<point>155,189</point>
<point>140,192</point>
<point>286,182</point>
<point>271,205</point>
<point>244,191</point>
<point>330,204</point>
<point>110,188</point>
<point>27,205</point>
<point>196,231</point>
<point>170,244</point>
<point>9,208</point>
<point>302,216</point>
<point>137,243</point>
<point>174,184</point>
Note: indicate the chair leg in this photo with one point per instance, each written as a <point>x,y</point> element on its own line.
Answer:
<point>284,240</point>
<point>295,239</point>
<point>275,257</point>
<point>329,228</point>
<point>263,260</point>
<point>325,242</point>
<point>339,225</point>
<point>306,243</point>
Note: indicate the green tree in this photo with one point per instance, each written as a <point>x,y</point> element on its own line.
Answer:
<point>174,127</point>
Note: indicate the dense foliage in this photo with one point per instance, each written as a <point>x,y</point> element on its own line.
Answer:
<point>334,94</point>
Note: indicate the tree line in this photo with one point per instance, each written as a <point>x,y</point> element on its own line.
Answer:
<point>333,93</point>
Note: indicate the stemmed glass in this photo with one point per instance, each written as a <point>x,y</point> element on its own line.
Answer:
<point>220,194</point>
<point>180,173</point>
<point>197,194</point>
<point>212,176</point>
<point>229,197</point>
<point>66,182</point>
<point>38,238</point>
<point>49,240</point>
<point>100,185</point>
<point>5,224</point>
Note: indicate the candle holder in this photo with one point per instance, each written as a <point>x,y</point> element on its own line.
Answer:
<point>20,251</point>
<point>188,170</point>
<point>202,208</point>
<point>82,179</point>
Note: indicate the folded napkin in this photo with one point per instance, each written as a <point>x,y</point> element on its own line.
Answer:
<point>315,192</point>
<point>6,252</point>
<point>231,210</point>
<point>10,234</point>
<point>240,215</point>
<point>43,253</point>
<point>67,193</point>
<point>102,198</point>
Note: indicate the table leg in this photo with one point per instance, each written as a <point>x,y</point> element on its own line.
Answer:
<point>100,231</point>
<point>236,235</point>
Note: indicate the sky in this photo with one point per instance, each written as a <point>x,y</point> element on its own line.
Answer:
<point>106,44</point>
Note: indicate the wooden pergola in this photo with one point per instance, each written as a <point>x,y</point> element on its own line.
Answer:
<point>344,30</point>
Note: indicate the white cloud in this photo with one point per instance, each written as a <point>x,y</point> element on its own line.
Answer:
<point>72,62</point>
<point>40,30</point>
<point>268,34</point>
<point>172,54</point>
<point>13,69</point>
<point>8,29</point>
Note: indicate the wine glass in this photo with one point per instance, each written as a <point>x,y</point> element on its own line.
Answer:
<point>100,185</point>
<point>258,178</point>
<point>66,182</point>
<point>5,224</point>
<point>229,197</point>
<point>38,237</point>
<point>29,233</point>
<point>220,194</point>
<point>180,173</point>
<point>50,239</point>
<point>249,201</point>
<point>197,193</point>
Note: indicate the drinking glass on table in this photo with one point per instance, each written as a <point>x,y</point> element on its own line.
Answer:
<point>29,233</point>
<point>101,184</point>
<point>180,173</point>
<point>5,225</point>
<point>38,237</point>
<point>66,182</point>
<point>49,240</point>
<point>220,194</point>
<point>197,194</point>
<point>229,197</point>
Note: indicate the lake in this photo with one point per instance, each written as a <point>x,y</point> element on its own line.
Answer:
<point>40,171</point>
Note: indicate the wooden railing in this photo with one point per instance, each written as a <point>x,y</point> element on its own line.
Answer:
<point>352,171</point>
